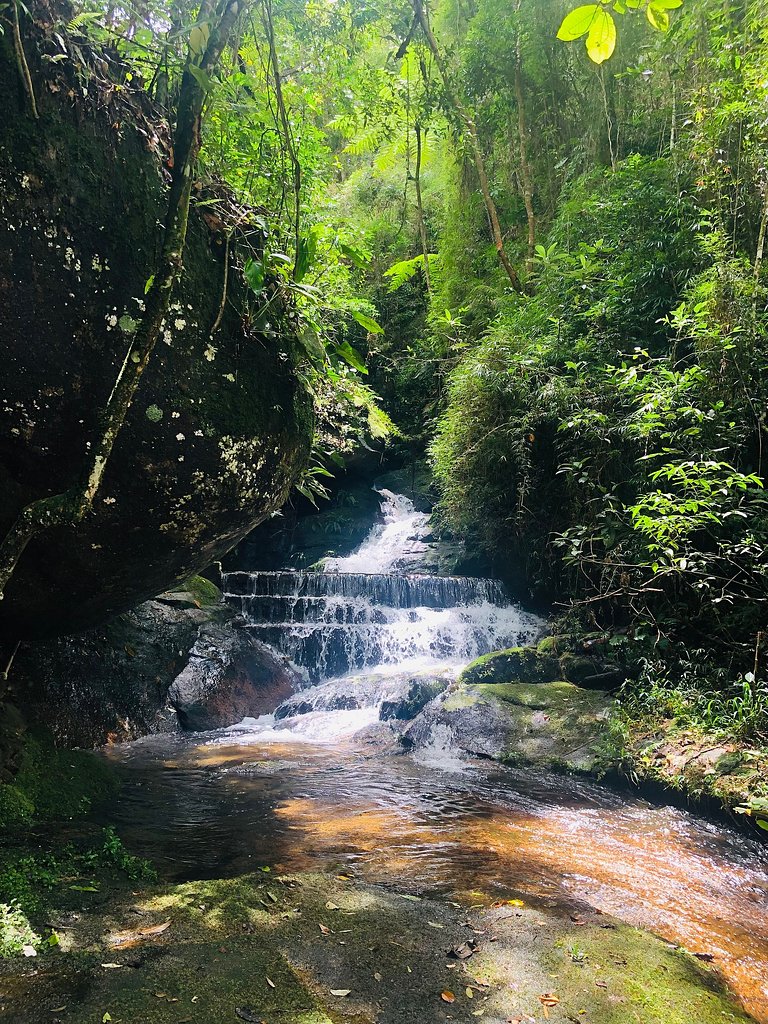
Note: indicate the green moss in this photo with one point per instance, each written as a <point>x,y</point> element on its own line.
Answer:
<point>460,697</point>
<point>516,664</point>
<point>542,696</point>
<point>53,784</point>
<point>16,808</point>
<point>662,985</point>
<point>203,591</point>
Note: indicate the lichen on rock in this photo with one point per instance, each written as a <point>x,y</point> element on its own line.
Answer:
<point>209,448</point>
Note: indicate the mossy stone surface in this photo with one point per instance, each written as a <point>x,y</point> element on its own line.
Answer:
<point>219,427</point>
<point>516,664</point>
<point>253,949</point>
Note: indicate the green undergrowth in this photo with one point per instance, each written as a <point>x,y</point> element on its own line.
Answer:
<point>700,744</point>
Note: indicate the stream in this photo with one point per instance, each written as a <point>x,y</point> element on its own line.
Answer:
<point>316,789</point>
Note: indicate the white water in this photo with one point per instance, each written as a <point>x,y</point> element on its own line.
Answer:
<point>391,544</point>
<point>366,632</point>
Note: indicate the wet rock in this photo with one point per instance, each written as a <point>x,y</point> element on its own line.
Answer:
<point>420,692</point>
<point>401,696</point>
<point>553,723</point>
<point>218,428</point>
<point>542,665</point>
<point>229,676</point>
<point>114,682</point>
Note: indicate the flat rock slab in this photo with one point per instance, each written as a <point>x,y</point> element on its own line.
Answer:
<point>312,949</point>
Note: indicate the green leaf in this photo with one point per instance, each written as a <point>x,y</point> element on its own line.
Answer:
<point>657,16</point>
<point>202,78</point>
<point>601,40</point>
<point>306,254</point>
<point>198,38</point>
<point>762,823</point>
<point>253,272</point>
<point>579,21</point>
<point>354,255</point>
<point>368,323</point>
<point>313,347</point>
<point>350,355</point>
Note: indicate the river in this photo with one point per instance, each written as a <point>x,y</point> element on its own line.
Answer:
<point>317,791</point>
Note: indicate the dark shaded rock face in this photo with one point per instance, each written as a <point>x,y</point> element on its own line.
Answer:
<point>109,683</point>
<point>219,426</point>
<point>229,676</point>
<point>180,660</point>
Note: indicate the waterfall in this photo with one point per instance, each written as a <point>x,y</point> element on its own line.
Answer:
<point>362,615</point>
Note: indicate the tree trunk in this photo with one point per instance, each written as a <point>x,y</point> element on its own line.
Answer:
<point>477,153</point>
<point>420,207</point>
<point>526,176</point>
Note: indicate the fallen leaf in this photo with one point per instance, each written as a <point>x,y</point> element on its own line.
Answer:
<point>325,929</point>
<point>463,951</point>
<point>271,983</point>
<point>434,924</point>
<point>340,991</point>
<point>271,896</point>
<point>108,966</point>
<point>137,934</point>
<point>469,992</point>
<point>377,976</point>
<point>548,1000</point>
<point>331,906</point>
<point>448,997</point>
<point>29,950</point>
<point>601,984</point>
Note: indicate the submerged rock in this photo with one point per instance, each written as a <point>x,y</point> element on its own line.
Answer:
<point>229,676</point>
<point>220,425</point>
<point>399,696</point>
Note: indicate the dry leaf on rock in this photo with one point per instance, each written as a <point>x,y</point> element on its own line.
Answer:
<point>448,997</point>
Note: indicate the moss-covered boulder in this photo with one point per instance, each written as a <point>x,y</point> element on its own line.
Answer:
<point>555,723</point>
<point>542,664</point>
<point>220,425</point>
<point>516,664</point>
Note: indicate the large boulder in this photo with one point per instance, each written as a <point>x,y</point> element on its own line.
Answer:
<point>220,425</point>
<point>556,724</point>
<point>182,660</point>
<point>229,676</point>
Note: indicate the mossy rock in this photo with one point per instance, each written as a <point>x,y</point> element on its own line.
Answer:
<point>53,785</point>
<point>219,428</point>
<point>516,664</point>
<point>556,724</point>
<point>252,949</point>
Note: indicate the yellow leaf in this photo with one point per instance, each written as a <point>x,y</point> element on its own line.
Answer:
<point>601,39</point>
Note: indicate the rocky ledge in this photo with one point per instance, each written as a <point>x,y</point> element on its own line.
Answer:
<point>181,660</point>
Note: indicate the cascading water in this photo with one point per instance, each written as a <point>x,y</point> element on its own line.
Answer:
<point>280,791</point>
<point>365,611</point>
